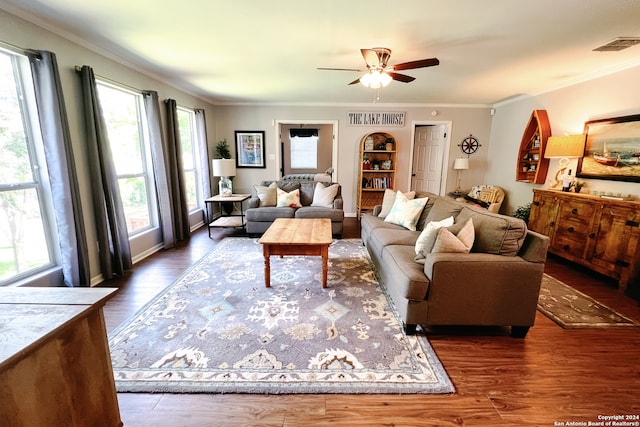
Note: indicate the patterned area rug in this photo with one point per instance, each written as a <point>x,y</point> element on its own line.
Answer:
<point>217,329</point>
<point>572,309</point>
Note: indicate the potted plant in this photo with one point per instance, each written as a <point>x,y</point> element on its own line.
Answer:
<point>523,212</point>
<point>222,150</point>
<point>577,185</point>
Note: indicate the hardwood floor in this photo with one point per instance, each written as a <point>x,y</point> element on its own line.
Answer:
<point>553,376</point>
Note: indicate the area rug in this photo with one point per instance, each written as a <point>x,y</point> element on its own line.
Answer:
<point>217,329</point>
<point>572,309</point>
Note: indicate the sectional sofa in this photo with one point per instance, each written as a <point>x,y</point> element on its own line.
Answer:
<point>496,283</point>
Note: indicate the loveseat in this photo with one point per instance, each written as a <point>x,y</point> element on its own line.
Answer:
<point>496,283</point>
<point>312,202</point>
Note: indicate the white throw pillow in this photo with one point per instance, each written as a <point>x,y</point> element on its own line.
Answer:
<point>267,195</point>
<point>460,243</point>
<point>405,212</point>
<point>427,238</point>
<point>389,198</point>
<point>290,200</point>
<point>323,196</point>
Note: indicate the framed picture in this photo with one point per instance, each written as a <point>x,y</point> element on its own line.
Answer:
<point>250,149</point>
<point>612,149</point>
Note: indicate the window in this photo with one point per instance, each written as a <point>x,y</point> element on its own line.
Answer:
<point>189,144</point>
<point>27,244</point>
<point>123,112</point>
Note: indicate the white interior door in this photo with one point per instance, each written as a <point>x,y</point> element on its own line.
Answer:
<point>428,151</point>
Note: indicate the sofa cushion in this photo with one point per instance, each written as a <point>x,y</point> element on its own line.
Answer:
<point>448,242</point>
<point>306,192</point>
<point>409,279</point>
<point>389,198</point>
<point>335,215</point>
<point>494,233</point>
<point>406,212</point>
<point>427,238</point>
<point>267,194</point>
<point>443,208</point>
<point>288,199</point>
<point>323,195</point>
<point>268,214</point>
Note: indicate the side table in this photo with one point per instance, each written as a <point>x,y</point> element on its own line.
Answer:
<point>222,220</point>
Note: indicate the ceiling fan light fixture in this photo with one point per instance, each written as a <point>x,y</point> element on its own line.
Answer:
<point>375,79</point>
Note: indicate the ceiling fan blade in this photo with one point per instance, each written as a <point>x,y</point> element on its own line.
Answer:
<point>401,77</point>
<point>370,57</point>
<point>421,63</point>
<point>340,69</point>
<point>355,82</point>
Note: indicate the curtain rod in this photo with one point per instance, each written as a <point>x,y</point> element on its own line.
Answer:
<point>135,89</point>
<point>16,48</point>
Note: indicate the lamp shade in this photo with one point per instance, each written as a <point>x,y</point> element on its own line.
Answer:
<point>461,163</point>
<point>223,167</point>
<point>565,146</point>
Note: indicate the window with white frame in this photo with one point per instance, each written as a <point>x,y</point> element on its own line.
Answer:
<point>124,115</point>
<point>28,244</point>
<point>304,152</point>
<point>189,144</point>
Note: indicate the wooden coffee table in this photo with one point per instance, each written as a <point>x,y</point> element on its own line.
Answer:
<point>297,236</point>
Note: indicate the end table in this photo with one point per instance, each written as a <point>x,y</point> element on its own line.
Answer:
<point>229,220</point>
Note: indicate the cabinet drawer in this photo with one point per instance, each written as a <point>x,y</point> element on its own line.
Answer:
<point>576,211</point>
<point>566,244</point>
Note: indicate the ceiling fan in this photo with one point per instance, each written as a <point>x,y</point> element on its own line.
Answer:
<point>378,73</point>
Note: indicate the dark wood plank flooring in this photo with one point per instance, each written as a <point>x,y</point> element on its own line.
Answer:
<point>553,376</point>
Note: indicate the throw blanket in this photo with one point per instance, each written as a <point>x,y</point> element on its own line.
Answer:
<point>318,177</point>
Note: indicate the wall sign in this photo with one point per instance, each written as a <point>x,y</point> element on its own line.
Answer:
<point>375,118</point>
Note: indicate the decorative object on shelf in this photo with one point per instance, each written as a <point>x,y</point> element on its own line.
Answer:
<point>368,144</point>
<point>469,144</point>
<point>564,148</point>
<point>612,149</point>
<point>532,166</point>
<point>389,143</point>
<point>250,149</point>
<point>224,168</point>
<point>459,165</point>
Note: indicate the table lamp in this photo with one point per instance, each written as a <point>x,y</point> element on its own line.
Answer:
<point>224,168</point>
<point>460,164</point>
<point>564,148</point>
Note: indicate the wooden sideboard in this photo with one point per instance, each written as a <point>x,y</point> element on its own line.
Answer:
<point>599,233</point>
<point>55,365</point>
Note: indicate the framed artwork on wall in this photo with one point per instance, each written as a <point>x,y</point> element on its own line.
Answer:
<point>250,149</point>
<point>612,149</point>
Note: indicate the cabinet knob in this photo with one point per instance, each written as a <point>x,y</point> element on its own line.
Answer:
<point>566,248</point>
<point>552,224</point>
<point>536,203</point>
<point>570,229</point>
<point>592,235</point>
<point>574,211</point>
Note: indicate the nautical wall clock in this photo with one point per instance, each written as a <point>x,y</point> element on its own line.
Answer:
<point>469,145</point>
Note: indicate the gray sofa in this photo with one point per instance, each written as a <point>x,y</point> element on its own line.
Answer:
<point>259,218</point>
<point>496,284</point>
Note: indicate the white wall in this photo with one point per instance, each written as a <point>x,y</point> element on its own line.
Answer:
<point>465,121</point>
<point>568,109</point>
<point>17,32</point>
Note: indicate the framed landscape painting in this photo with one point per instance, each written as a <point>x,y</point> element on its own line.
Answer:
<point>612,149</point>
<point>250,149</point>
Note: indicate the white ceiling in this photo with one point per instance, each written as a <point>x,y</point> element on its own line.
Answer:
<point>257,51</point>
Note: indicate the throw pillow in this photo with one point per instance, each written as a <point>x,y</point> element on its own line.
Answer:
<point>427,238</point>
<point>389,198</point>
<point>267,195</point>
<point>323,196</point>
<point>405,212</point>
<point>459,243</point>
<point>290,200</point>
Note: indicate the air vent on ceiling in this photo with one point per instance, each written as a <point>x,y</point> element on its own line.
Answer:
<point>618,44</point>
